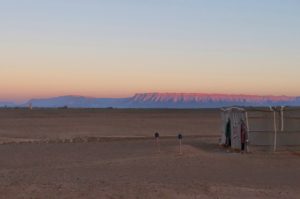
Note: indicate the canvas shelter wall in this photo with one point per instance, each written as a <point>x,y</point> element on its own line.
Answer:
<point>290,134</point>
<point>291,119</point>
<point>267,138</point>
<point>236,118</point>
<point>261,127</point>
<point>261,121</point>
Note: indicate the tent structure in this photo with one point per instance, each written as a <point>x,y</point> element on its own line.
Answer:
<point>266,126</point>
<point>232,120</point>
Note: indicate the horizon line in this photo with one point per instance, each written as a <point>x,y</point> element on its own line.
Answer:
<point>144,93</point>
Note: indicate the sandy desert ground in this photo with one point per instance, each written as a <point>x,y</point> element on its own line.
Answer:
<point>68,154</point>
<point>71,123</point>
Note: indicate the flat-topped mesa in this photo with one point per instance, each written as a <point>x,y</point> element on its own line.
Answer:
<point>165,100</point>
<point>200,97</point>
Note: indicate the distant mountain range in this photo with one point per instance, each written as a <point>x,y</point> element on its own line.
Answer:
<point>161,100</point>
<point>7,104</point>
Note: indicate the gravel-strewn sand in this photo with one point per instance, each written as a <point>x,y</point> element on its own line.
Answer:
<point>69,123</point>
<point>132,168</point>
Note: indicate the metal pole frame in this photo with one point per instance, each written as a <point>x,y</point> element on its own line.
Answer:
<point>275,129</point>
<point>248,132</point>
<point>282,118</point>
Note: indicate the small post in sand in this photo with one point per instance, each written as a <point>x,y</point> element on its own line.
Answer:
<point>180,139</point>
<point>156,135</point>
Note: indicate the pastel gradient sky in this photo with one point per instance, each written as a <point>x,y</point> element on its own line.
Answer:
<point>115,48</point>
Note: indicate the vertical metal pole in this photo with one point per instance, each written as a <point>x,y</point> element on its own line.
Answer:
<point>282,122</point>
<point>247,121</point>
<point>248,132</point>
<point>275,131</point>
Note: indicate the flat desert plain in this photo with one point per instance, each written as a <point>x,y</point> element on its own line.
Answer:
<point>111,153</point>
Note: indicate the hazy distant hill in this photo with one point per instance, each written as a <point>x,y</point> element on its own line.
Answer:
<point>167,100</point>
<point>7,104</point>
<point>194,100</point>
<point>77,102</point>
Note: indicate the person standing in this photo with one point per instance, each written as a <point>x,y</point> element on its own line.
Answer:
<point>228,134</point>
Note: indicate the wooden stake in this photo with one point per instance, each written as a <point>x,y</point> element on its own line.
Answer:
<point>180,151</point>
<point>157,145</point>
<point>180,138</point>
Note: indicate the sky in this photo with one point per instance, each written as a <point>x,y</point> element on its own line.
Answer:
<point>117,48</point>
